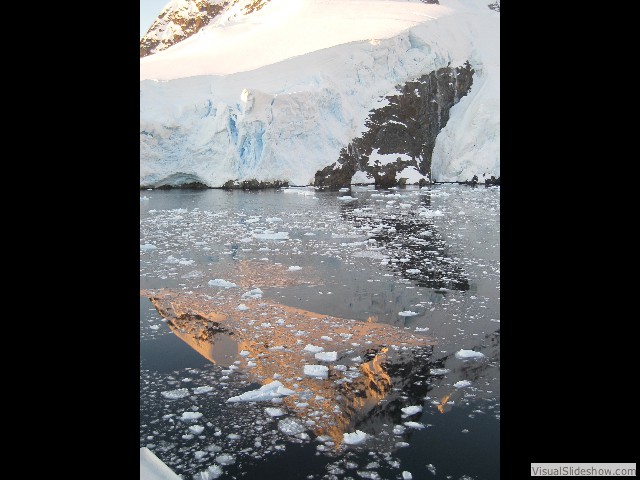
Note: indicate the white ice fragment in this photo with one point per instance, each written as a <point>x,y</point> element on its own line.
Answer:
<point>416,425</point>
<point>175,394</point>
<point>356,359</point>
<point>255,293</point>
<point>203,389</point>
<point>190,415</point>
<point>419,329</point>
<point>269,391</point>
<point>407,313</point>
<point>431,468</point>
<point>413,270</point>
<point>406,475</point>
<point>346,198</point>
<point>355,438</point>
<point>290,426</point>
<point>318,371</point>
<point>312,348</point>
<point>244,353</point>
<point>154,327</point>
<point>211,473</point>
<point>371,475</point>
<point>272,236</point>
<point>147,247</point>
<point>274,412</point>
<point>399,429</point>
<point>464,354</point>
<point>326,356</point>
<point>219,282</point>
<point>225,459</point>
<point>242,307</point>
<point>340,368</point>
<point>293,268</point>
<point>462,384</point>
<point>327,338</point>
<point>438,371</point>
<point>412,410</point>
<point>196,429</point>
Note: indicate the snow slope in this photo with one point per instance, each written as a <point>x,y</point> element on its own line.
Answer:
<point>274,95</point>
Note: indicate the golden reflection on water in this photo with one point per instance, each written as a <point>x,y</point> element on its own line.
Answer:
<point>272,337</point>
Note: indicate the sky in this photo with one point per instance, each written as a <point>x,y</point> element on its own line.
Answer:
<point>149,11</point>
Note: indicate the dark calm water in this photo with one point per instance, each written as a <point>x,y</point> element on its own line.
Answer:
<point>422,262</point>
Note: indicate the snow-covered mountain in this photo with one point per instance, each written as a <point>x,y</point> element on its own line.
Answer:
<point>321,91</point>
<point>182,18</point>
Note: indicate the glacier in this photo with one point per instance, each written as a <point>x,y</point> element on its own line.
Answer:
<point>275,95</point>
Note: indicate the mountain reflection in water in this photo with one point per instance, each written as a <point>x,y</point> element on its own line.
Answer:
<point>272,338</point>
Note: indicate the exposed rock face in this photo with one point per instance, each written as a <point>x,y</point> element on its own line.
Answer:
<point>186,18</point>
<point>408,126</point>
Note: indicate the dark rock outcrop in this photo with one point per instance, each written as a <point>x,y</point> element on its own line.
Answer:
<point>408,125</point>
<point>185,19</point>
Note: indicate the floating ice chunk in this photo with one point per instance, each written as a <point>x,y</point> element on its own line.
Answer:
<point>273,219</point>
<point>154,327</point>
<point>464,354</point>
<point>326,356</point>
<point>269,391</point>
<point>431,468</point>
<point>399,429</point>
<point>356,359</point>
<point>211,473</point>
<point>344,189</point>
<point>190,415</point>
<point>430,213</point>
<point>144,199</point>
<point>327,338</point>
<point>196,429</point>
<point>462,384</point>
<point>203,389</point>
<point>251,364</point>
<point>147,247</point>
<point>176,394</point>
<point>412,410</point>
<point>244,353</point>
<point>318,371</point>
<point>274,412</point>
<point>290,426</point>
<point>416,425</point>
<point>407,475</point>
<point>371,475</point>
<point>272,236</point>
<point>438,371</point>
<point>413,270</point>
<point>419,329</point>
<point>346,198</point>
<point>199,454</point>
<point>293,268</point>
<point>225,459</point>
<point>407,313</point>
<point>355,438</point>
<point>255,293</point>
<point>401,444</point>
<point>242,307</point>
<point>313,348</point>
<point>340,368</point>
<point>219,282</point>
